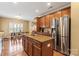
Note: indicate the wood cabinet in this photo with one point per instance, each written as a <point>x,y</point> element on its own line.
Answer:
<point>38,24</point>
<point>57,14</point>
<point>36,48</point>
<point>43,21</point>
<point>47,21</point>
<point>36,51</point>
<point>29,46</point>
<point>25,45</point>
<point>47,48</point>
<point>51,17</point>
<point>66,11</point>
<point>24,39</point>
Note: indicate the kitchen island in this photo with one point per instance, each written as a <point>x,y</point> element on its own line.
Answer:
<point>37,45</point>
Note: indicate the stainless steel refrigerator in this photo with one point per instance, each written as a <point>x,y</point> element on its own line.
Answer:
<point>64,33</point>
<point>61,34</point>
<point>55,34</point>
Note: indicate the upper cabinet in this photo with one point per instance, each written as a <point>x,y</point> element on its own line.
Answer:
<point>47,21</point>
<point>43,21</point>
<point>38,24</point>
<point>57,14</point>
<point>51,17</point>
<point>66,11</point>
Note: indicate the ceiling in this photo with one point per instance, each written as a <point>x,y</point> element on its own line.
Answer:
<point>26,10</point>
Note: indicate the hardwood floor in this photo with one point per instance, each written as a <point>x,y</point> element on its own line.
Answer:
<point>14,47</point>
<point>57,54</point>
<point>11,48</point>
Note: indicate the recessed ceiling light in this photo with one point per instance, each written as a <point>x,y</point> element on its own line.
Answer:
<point>49,4</point>
<point>15,2</point>
<point>36,10</point>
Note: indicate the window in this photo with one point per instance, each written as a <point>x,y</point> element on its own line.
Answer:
<point>14,27</point>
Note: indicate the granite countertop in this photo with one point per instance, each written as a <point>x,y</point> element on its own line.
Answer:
<point>38,37</point>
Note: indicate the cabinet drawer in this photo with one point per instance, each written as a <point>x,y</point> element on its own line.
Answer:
<point>38,44</point>
<point>36,51</point>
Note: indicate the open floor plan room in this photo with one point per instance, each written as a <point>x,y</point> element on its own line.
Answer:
<point>38,29</point>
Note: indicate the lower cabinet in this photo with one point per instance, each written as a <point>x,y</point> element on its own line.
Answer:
<point>25,45</point>
<point>47,48</point>
<point>35,48</point>
<point>29,47</point>
<point>23,42</point>
<point>36,51</point>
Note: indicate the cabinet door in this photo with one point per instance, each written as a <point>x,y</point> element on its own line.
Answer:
<point>25,44</point>
<point>47,48</point>
<point>51,19</point>
<point>47,21</point>
<point>66,11</point>
<point>43,21</point>
<point>36,51</point>
<point>23,41</point>
<point>57,15</point>
<point>29,47</point>
<point>38,24</point>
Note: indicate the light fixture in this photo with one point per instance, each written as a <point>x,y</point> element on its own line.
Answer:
<point>15,2</point>
<point>36,10</point>
<point>39,16</point>
<point>49,4</point>
<point>18,17</point>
